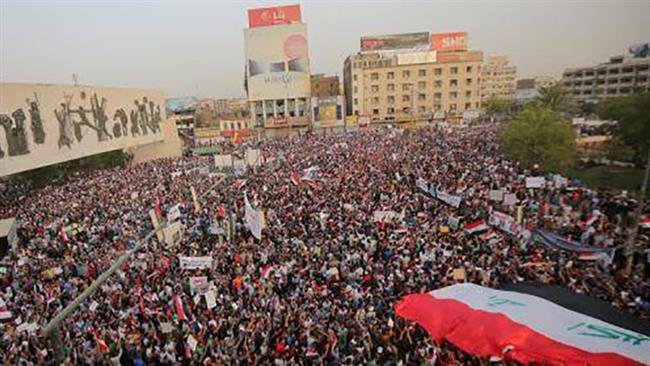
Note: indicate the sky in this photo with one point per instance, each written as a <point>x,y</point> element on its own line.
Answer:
<point>197,47</point>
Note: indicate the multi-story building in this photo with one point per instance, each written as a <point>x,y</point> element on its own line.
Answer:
<point>277,67</point>
<point>528,89</point>
<point>324,86</point>
<point>414,76</point>
<point>498,79</point>
<point>621,75</point>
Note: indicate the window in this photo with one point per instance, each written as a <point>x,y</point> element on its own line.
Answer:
<point>454,70</point>
<point>375,100</point>
<point>422,85</point>
<point>356,101</point>
<point>452,107</point>
<point>406,74</point>
<point>356,90</point>
<point>453,95</point>
<point>390,87</point>
<point>436,107</point>
<point>406,98</point>
<point>468,81</point>
<point>406,110</point>
<point>437,71</point>
<point>390,75</point>
<point>406,86</point>
<point>437,96</point>
<point>422,72</point>
<point>468,69</point>
<point>375,111</point>
<point>422,97</point>
<point>354,77</point>
<point>374,76</point>
<point>438,84</point>
<point>421,109</point>
<point>390,110</point>
<point>468,105</point>
<point>468,94</point>
<point>374,88</point>
<point>391,99</point>
<point>453,82</point>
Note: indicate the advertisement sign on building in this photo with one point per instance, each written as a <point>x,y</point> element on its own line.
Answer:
<point>328,111</point>
<point>48,124</point>
<point>276,15</point>
<point>411,58</point>
<point>454,41</point>
<point>277,62</point>
<point>414,41</point>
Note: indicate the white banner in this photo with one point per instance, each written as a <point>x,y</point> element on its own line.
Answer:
<point>449,199</point>
<point>385,216</point>
<point>223,161</point>
<point>210,299</point>
<point>172,233</point>
<point>195,262</point>
<point>535,182</point>
<point>253,219</point>
<point>551,320</point>
<point>253,157</point>
<point>496,195</point>
<point>174,213</point>
<point>510,199</point>
<point>505,222</point>
<point>199,284</point>
<point>422,184</point>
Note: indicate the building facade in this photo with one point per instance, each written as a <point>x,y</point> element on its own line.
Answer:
<point>277,67</point>
<point>621,75</point>
<point>324,86</point>
<point>528,89</point>
<point>498,79</point>
<point>412,77</point>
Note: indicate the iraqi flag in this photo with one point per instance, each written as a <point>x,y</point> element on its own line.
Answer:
<point>476,227</point>
<point>645,222</point>
<point>530,323</point>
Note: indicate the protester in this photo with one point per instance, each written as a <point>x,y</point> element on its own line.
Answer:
<point>320,285</point>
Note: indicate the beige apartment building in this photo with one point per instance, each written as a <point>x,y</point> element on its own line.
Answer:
<point>621,75</point>
<point>498,79</point>
<point>420,83</point>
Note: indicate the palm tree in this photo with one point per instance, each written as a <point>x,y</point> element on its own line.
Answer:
<point>557,99</point>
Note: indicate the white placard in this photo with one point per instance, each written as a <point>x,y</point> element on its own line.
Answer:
<point>535,182</point>
<point>195,262</point>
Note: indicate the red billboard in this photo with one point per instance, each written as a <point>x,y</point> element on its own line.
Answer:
<point>454,41</point>
<point>276,15</point>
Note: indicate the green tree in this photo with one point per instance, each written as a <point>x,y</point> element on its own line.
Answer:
<point>495,105</point>
<point>539,135</point>
<point>633,116</point>
<point>557,99</point>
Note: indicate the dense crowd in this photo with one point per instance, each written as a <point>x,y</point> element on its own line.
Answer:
<point>321,284</point>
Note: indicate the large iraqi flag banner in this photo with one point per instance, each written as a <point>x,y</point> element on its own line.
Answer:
<point>530,324</point>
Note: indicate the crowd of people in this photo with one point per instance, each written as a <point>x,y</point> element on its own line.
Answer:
<point>321,284</point>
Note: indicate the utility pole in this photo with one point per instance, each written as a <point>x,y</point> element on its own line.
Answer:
<point>630,248</point>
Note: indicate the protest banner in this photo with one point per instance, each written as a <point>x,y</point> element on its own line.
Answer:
<point>195,199</point>
<point>172,233</point>
<point>223,161</point>
<point>174,213</point>
<point>195,262</point>
<point>385,216</point>
<point>210,299</point>
<point>496,195</point>
<point>199,284</point>
<point>422,184</point>
<point>510,199</point>
<point>253,219</point>
<point>156,225</point>
<point>505,223</point>
<point>252,157</point>
<point>447,198</point>
<point>559,181</point>
<point>535,182</point>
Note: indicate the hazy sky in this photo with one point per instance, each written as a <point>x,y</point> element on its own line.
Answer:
<point>197,47</point>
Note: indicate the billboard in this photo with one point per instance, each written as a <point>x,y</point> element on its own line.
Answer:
<point>414,41</point>
<point>454,41</point>
<point>45,124</point>
<point>277,62</point>
<point>276,15</point>
<point>459,56</point>
<point>328,111</point>
<point>412,58</point>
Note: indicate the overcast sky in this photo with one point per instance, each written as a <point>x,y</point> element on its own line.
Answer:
<point>197,47</point>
